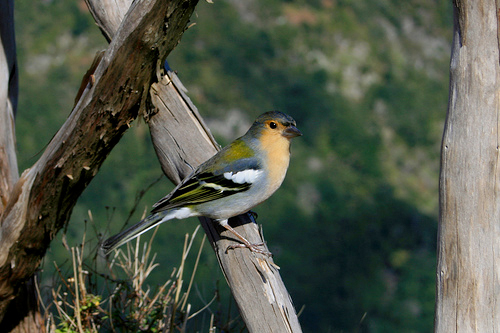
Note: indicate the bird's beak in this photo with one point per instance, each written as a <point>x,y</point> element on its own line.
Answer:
<point>291,132</point>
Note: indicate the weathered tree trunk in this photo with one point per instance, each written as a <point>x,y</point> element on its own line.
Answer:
<point>35,206</point>
<point>23,311</point>
<point>182,142</point>
<point>468,275</point>
<point>254,279</point>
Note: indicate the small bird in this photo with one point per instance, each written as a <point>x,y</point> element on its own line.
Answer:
<point>233,181</point>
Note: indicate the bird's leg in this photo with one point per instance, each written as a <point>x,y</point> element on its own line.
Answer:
<point>246,243</point>
<point>254,214</point>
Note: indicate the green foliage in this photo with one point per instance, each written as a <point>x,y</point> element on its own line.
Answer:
<point>354,226</point>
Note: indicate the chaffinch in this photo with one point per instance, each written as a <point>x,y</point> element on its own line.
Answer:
<point>236,179</point>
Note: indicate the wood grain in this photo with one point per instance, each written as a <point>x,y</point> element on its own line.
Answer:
<point>468,279</point>
<point>182,142</point>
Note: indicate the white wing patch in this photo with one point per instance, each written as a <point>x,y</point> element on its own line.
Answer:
<point>241,177</point>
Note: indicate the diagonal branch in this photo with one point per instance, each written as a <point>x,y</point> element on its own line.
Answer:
<point>108,14</point>
<point>42,200</point>
<point>254,279</point>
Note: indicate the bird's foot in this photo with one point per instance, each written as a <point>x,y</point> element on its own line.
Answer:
<point>254,214</point>
<point>244,241</point>
<point>251,247</point>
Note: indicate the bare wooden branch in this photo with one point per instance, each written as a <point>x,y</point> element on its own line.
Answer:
<point>468,282</point>
<point>41,201</point>
<point>108,14</point>
<point>182,142</point>
<point>180,137</point>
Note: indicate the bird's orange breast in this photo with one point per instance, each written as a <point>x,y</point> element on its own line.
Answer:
<point>277,151</point>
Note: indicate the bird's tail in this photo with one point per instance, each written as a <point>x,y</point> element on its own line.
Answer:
<point>137,229</point>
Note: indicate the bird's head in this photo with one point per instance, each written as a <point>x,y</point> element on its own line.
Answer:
<point>275,124</point>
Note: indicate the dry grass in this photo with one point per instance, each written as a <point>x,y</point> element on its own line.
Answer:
<point>121,300</point>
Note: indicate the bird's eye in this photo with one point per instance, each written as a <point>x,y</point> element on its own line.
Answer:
<point>273,125</point>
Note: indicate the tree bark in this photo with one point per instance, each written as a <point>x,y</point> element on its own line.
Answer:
<point>23,312</point>
<point>40,202</point>
<point>108,14</point>
<point>468,279</point>
<point>254,279</point>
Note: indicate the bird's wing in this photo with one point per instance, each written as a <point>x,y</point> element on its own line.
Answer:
<point>203,186</point>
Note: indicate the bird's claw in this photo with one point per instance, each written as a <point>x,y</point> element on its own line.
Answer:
<point>251,247</point>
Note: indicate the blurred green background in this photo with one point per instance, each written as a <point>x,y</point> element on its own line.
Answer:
<point>353,227</point>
